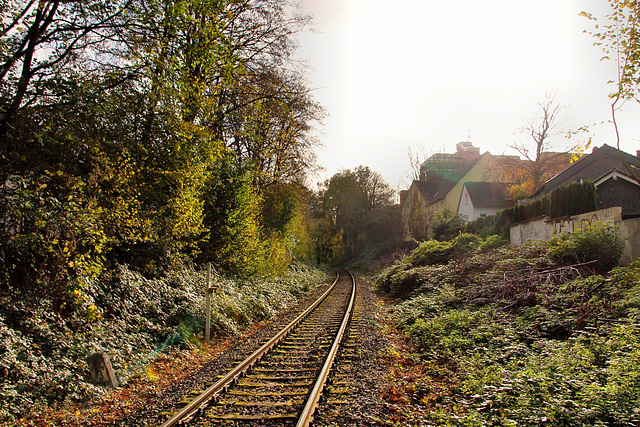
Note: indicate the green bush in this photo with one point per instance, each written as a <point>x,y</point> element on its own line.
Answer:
<point>492,242</point>
<point>466,244</point>
<point>598,243</point>
<point>431,252</point>
<point>421,279</point>
<point>384,279</point>
<point>570,356</point>
<point>447,224</point>
<point>411,273</point>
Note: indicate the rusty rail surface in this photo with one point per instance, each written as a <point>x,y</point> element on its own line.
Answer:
<point>307,413</point>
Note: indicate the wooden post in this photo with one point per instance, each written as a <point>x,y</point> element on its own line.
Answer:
<point>207,329</point>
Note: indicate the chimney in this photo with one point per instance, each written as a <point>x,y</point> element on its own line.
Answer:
<point>467,151</point>
<point>638,154</point>
<point>403,197</point>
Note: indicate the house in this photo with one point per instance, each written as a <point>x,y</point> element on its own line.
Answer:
<point>420,203</point>
<point>441,183</point>
<point>608,168</point>
<point>614,174</point>
<point>481,199</point>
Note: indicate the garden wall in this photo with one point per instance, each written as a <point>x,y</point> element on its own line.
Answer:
<point>544,228</point>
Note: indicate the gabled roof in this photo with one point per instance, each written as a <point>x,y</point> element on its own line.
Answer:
<point>486,194</point>
<point>615,174</point>
<point>591,166</point>
<point>434,190</point>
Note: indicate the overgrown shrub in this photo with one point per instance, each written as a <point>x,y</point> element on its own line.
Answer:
<point>524,340</point>
<point>446,224</point>
<point>406,281</point>
<point>466,244</point>
<point>598,243</point>
<point>411,273</point>
<point>492,242</point>
<point>430,252</point>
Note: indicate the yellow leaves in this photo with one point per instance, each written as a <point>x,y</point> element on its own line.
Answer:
<point>151,374</point>
<point>586,15</point>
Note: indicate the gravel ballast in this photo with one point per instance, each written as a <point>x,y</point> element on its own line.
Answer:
<point>361,368</point>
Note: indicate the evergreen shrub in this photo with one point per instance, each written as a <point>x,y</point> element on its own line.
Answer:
<point>570,357</point>
<point>492,242</point>
<point>447,224</point>
<point>466,244</point>
<point>431,252</point>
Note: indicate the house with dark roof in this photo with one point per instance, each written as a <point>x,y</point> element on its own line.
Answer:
<point>441,183</point>
<point>481,199</point>
<point>612,173</point>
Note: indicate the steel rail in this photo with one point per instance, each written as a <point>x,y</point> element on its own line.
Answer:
<point>312,402</point>
<point>186,413</point>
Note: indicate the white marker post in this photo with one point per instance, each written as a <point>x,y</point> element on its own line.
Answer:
<point>207,329</point>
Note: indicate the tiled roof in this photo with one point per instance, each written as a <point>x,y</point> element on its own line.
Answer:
<point>434,190</point>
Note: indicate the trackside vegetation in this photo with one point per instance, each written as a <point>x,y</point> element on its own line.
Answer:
<point>141,140</point>
<point>132,319</point>
<point>531,335</point>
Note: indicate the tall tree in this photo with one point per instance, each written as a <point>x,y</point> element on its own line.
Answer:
<point>351,200</point>
<point>269,126</point>
<point>47,49</point>
<point>541,160</point>
<point>116,133</point>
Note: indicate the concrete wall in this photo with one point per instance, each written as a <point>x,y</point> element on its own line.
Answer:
<point>532,230</point>
<point>630,229</point>
<point>545,228</point>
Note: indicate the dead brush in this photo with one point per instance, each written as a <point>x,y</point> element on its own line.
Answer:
<point>532,286</point>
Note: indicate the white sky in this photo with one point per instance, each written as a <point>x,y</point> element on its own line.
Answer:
<point>426,73</point>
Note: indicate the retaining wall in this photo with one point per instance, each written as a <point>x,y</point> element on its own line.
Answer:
<point>544,228</point>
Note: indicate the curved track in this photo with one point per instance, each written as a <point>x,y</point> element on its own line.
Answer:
<point>281,382</point>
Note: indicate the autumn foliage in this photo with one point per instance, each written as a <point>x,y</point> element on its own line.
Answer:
<point>524,177</point>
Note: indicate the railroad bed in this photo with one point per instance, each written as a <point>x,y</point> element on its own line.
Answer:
<point>281,382</point>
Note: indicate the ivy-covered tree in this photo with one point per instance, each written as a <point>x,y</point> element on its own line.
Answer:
<point>116,121</point>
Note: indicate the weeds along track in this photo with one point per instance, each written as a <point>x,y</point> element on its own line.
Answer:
<point>281,383</point>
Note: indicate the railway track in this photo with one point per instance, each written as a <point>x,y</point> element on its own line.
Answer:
<point>280,383</point>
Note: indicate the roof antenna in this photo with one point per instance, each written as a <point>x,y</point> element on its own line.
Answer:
<point>469,135</point>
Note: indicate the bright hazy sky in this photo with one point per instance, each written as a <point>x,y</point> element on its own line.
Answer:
<point>426,73</point>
